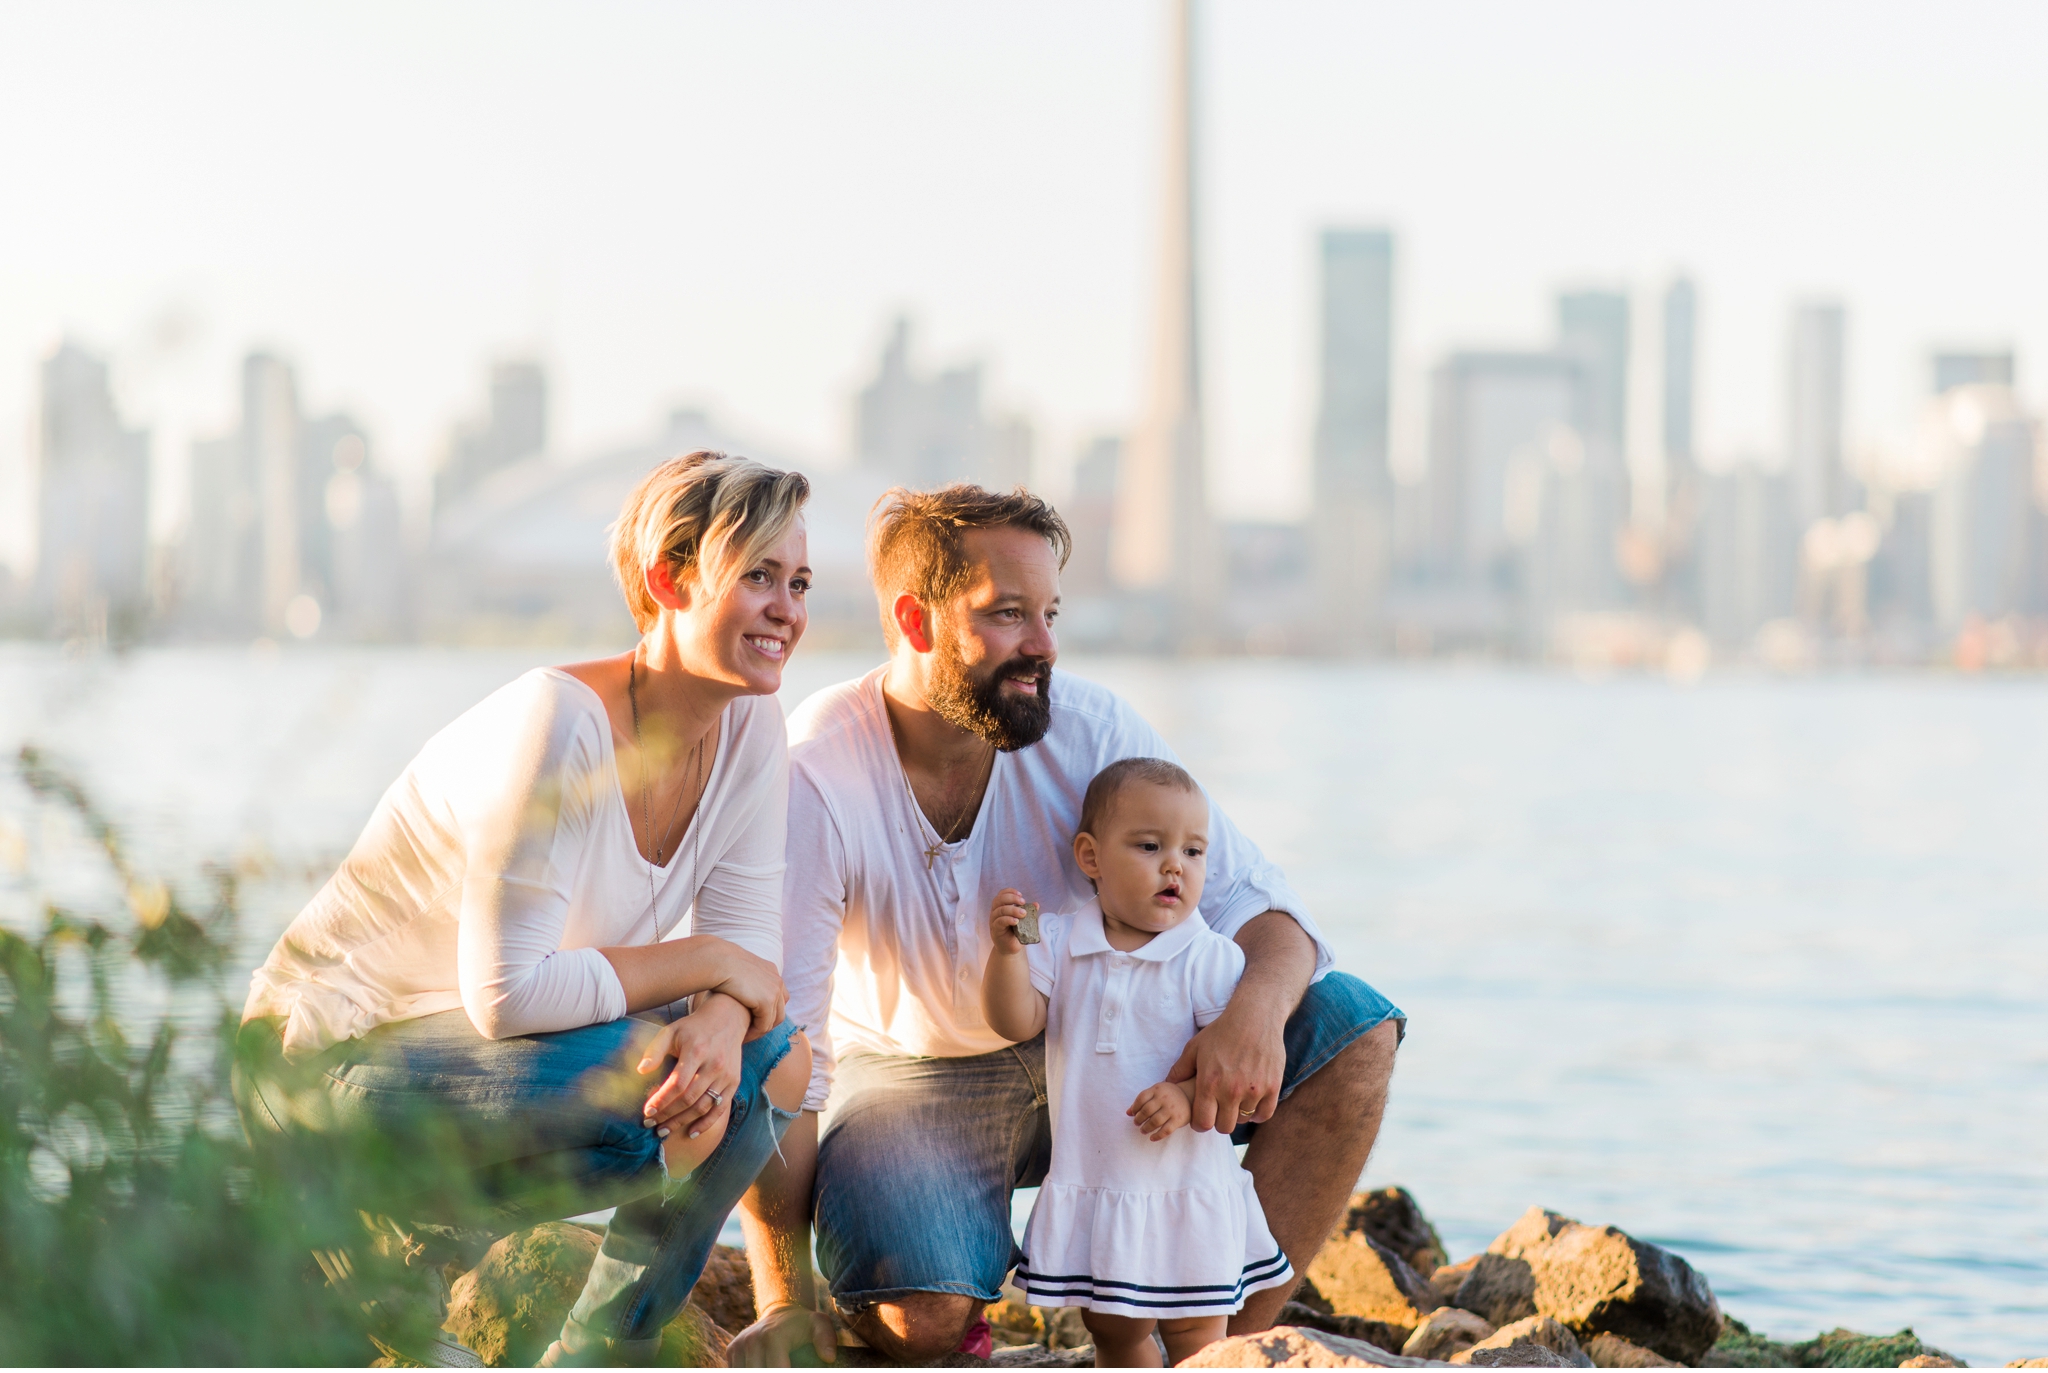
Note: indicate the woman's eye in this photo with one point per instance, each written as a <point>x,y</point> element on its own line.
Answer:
<point>758,576</point>
<point>800,585</point>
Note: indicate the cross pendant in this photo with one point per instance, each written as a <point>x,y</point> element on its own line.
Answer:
<point>931,854</point>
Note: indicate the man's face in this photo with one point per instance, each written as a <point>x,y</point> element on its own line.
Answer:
<point>993,645</point>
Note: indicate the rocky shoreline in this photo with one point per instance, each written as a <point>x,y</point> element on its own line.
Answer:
<point>1549,1292</point>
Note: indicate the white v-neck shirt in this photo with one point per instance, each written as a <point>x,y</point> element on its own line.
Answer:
<point>503,859</point>
<point>883,953</point>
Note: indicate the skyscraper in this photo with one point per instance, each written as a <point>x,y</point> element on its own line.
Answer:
<point>1953,369</point>
<point>270,429</point>
<point>1982,516</point>
<point>1681,331</point>
<point>93,509</point>
<point>1502,425</point>
<point>515,427</point>
<point>927,430</point>
<point>1350,522</point>
<point>1592,327</point>
<point>1165,552</point>
<point>1813,434</point>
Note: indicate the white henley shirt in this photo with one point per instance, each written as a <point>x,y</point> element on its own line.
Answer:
<point>503,859</point>
<point>883,953</point>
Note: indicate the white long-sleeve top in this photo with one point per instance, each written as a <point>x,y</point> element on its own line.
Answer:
<point>883,952</point>
<point>503,859</point>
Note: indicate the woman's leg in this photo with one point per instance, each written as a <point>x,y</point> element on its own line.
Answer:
<point>655,1248</point>
<point>1121,1341</point>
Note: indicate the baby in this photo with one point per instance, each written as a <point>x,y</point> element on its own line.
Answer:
<point>1140,1221</point>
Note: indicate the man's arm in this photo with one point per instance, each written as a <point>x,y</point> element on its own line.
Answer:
<point>1237,1062</point>
<point>776,1216</point>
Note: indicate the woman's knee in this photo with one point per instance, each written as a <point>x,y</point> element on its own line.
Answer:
<point>791,1078</point>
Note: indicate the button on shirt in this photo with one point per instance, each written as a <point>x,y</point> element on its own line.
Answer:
<point>883,953</point>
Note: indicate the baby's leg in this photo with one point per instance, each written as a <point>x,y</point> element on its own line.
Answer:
<point>1189,1335</point>
<point>1121,1341</point>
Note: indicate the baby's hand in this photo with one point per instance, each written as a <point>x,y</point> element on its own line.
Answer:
<point>1161,1109</point>
<point>1002,920</point>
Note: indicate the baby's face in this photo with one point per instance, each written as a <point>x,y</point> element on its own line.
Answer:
<point>1149,860</point>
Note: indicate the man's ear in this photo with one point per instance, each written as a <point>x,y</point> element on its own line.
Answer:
<point>661,584</point>
<point>1085,856</point>
<point>913,622</point>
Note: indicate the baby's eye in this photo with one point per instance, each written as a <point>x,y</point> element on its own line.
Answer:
<point>1192,851</point>
<point>1148,846</point>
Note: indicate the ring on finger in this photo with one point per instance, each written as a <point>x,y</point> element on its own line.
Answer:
<point>716,1099</point>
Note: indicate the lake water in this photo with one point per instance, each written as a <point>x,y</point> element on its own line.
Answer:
<point>1756,969</point>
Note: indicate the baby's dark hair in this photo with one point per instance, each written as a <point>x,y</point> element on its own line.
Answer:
<point>1102,792</point>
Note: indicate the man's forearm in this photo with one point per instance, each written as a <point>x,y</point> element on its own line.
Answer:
<point>775,1215</point>
<point>1279,960</point>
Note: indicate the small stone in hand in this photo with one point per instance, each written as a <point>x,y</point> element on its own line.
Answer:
<point>1027,924</point>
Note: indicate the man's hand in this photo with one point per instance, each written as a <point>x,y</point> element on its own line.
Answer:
<point>1163,1108</point>
<point>1235,1066</point>
<point>782,1330</point>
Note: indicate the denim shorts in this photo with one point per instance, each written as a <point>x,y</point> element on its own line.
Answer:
<point>917,1157</point>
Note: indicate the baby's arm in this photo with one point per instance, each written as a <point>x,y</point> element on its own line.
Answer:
<point>1013,1007</point>
<point>1163,1108</point>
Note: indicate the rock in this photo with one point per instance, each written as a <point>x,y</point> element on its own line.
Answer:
<point>1038,1356</point>
<point>1446,1332</point>
<point>1594,1279</point>
<point>1359,1276</point>
<point>726,1290</point>
<point>1608,1350</point>
<point>1520,1354</point>
<point>1391,1217</point>
<point>1741,1347</point>
<point>513,1303</point>
<point>1449,1277</point>
<point>1387,1337</point>
<point>2028,1363</point>
<point>1543,1330</point>
<point>1290,1346</point>
<point>694,1340</point>
<point>1499,1289</point>
<point>1929,1361</point>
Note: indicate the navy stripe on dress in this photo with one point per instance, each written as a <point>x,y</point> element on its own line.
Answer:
<point>1087,1285</point>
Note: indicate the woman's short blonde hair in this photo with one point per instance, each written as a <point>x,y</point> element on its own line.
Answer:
<point>705,515</point>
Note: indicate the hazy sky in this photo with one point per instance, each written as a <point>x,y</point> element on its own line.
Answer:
<point>722,205</point>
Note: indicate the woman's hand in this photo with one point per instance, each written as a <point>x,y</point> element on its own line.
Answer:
<point>754,983</point>
<point>706,1047</point>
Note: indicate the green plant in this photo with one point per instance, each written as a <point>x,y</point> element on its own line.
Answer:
<point>138,1225</point>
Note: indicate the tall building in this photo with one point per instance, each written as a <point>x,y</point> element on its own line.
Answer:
<point>515,427</point>
<point>1682,493</point>
<point>93,504</point>
<point>927,430</point>
<point>1983,511</point>
<point>1352,486</point>
<point>1165,553</point>
<point>1681,372</point>
<point>1503,428</point>
<point>1090,513</point>
<point>1747,553</point>
<point>1953,369</point>
<point>270,429</point>
<point>1814,403</point>
<point>1592,327</point>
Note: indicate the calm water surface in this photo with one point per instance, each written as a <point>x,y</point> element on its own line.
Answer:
<point>1756,969</point>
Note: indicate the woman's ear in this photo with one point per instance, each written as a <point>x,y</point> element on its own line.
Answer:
<point>661,585</point>
<point>1085,856</point>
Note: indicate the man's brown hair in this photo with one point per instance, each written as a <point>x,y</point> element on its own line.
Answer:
<point>1102,792</point>
<point>914,539</point>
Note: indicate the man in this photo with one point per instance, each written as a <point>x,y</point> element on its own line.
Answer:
<point>917,793</point>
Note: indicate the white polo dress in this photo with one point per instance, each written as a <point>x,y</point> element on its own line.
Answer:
<point>1124,1225</point>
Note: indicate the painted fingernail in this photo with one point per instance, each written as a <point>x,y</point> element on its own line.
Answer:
<point>695,1133</point>
<point>663,1132</point>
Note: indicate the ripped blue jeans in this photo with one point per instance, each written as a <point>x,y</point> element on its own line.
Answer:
<point>544,1126</point>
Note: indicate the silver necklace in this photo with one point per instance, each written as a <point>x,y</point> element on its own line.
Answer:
<point>647,794</point>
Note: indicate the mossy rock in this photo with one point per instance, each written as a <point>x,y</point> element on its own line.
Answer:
<point>1741,1347</point>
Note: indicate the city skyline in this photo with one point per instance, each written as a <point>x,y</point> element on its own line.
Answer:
<point>348,265</point>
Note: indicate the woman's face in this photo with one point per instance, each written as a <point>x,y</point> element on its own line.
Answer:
<point>746,635</point>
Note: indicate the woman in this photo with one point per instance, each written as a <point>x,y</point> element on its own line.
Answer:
<point>484,967</point>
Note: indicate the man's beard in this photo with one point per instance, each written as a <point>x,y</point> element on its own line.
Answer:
<point>1009,722</point>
